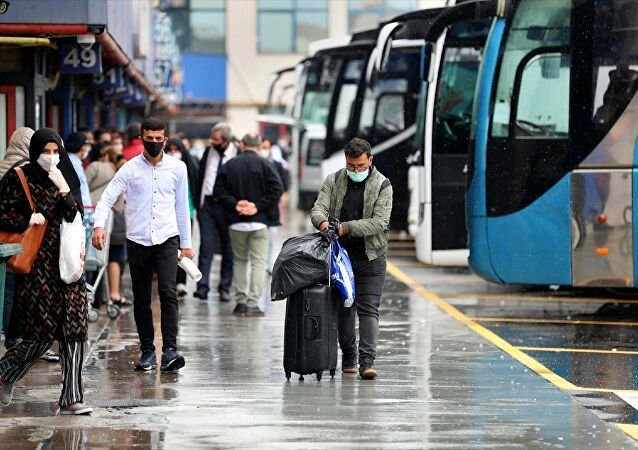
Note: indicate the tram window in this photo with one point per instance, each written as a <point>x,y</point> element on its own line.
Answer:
<point>543,105</point>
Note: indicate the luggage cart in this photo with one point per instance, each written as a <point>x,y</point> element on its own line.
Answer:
<point>96,261</point>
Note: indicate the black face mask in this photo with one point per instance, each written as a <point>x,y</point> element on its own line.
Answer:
<point>153,148</point>
<point>219,148</point>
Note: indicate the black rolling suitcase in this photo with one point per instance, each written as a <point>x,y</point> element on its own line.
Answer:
<point>310,332</point>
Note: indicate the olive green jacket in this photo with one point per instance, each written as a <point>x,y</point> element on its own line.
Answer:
<point>377,207</point>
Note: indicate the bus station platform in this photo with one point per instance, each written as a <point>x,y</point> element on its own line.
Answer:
<point>447,379</point>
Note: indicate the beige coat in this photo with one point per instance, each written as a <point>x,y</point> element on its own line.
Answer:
<point>98,175</point>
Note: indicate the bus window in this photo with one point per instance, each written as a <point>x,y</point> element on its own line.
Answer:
<point>347,95</point>
<point>389,116</point>
<point>543,107</point>
<point>454,100</point>
<point>320,77</point>
<point>537,25</point>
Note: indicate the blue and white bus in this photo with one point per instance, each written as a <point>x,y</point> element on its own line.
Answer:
<point>554,145</point>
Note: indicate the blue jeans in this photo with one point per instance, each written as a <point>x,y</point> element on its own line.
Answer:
<point>212,225</point>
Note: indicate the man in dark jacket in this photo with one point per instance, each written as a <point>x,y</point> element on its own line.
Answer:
<point>248,187</point>
<point>360,197</point>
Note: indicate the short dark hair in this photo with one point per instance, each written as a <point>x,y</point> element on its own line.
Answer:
<point>152,124</point>
<point>133,131</point>
<point>357,147</point>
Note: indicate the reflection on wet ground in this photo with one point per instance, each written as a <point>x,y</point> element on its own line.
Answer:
<point>440,386</point>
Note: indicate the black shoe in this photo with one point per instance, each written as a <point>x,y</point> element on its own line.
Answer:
<point>366,372</point>
<point>254,311</point>
<point>171,360</point>
<point>224,296</point>
<point>349,363</point>
<point>240,309</point>
<point>201,292</point>
<point>148,361</point>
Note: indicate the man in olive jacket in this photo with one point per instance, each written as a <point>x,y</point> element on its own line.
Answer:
<point>360,197</point>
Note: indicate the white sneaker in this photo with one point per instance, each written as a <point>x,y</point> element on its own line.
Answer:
<point>76,409</point>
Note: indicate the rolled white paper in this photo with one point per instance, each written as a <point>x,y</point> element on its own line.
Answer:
<point>190,268</point>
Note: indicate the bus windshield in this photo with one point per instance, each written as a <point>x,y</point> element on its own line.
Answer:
<point>321,74</point>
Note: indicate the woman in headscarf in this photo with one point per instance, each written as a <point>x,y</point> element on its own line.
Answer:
<point>47,309</point>
<point>17,154</point>
<point>175,148</point>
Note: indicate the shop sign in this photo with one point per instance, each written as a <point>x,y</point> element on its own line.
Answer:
<point>75,59</point>
<point>110,77</point>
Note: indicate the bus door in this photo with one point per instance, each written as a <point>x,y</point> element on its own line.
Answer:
<point>450,142</point>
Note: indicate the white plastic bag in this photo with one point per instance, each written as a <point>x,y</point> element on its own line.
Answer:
<point>72,248</point>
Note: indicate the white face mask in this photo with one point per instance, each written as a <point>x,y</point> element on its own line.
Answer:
<point>177,155</point>
<point>47,162</point>
<point>85,152</point>
<point>264,154</point>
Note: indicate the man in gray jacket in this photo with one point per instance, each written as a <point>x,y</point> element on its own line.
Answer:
<point>360,197</point>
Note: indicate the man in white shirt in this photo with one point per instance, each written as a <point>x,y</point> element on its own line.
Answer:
<point>158,226</point>
<point>213,226</point>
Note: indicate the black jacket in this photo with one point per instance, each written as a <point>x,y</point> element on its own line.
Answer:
<point>248,177</point>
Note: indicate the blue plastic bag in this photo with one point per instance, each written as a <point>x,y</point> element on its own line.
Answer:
<point>341,274</point>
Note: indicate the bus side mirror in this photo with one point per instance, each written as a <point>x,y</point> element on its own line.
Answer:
<point>384,44</point>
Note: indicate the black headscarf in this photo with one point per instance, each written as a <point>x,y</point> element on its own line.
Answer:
<point>192,168</point>
<point>36,173</point>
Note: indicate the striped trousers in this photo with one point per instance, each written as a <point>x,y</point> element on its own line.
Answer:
<point>18,360</point>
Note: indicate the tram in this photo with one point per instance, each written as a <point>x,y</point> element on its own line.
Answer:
<point>553,177</point>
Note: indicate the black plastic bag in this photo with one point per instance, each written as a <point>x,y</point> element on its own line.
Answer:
<point>302,262</point>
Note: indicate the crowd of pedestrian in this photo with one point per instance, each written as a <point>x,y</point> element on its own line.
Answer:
<point>154,187</point>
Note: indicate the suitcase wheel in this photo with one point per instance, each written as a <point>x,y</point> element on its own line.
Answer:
<point>288,375</point>
<point>319,375</point>
<point>333,372</point>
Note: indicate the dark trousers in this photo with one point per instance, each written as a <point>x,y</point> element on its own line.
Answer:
<point>143,262</point>
<point>369,277</point>
<point>8,323</point>
<point>213,228</point>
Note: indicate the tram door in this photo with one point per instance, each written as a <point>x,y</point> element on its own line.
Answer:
<point>450,143</point>
<point>7,116</point>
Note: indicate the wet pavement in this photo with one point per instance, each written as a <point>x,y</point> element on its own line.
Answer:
<point>441,383</point>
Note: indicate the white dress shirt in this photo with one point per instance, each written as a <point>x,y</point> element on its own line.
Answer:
<point>156,201</point>
<point>212,163</point>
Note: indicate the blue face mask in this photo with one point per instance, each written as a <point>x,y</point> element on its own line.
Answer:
<point>358,177</point>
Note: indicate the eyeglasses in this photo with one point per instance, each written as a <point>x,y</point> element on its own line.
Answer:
<point>357,168</point>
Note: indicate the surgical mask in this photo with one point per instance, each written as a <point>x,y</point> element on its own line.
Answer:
<point>153,148</point>
<point>47,162</point>
<point>264,154</point>
<point>358,177</point>
<point>177,155</point>
<point>85,153</point>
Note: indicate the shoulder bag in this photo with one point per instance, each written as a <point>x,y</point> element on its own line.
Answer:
<point>30,239</point>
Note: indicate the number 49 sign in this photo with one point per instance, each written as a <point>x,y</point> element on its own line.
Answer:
<point>75,59</point>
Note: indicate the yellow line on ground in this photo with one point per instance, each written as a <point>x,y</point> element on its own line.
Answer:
<point>630,429</point>
<point>554,321</point>
<point>402,244</point>
<point>400,263</point>
<point>576,350</point>
<point>499,342</point>
<point>531,298</point>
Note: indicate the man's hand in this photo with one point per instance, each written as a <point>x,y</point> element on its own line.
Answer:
<point>99,238</point>
<point>323,225</point>
<point>186,253</point>
<point>246,208</point>
<point>342,230</point>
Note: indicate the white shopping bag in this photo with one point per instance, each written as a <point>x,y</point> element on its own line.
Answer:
<point>72,248</point>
